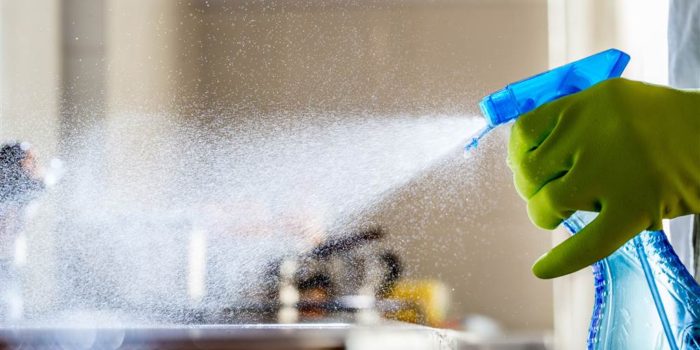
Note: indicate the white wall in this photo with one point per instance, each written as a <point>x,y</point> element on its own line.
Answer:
<point>390,57</point>
<point>30,72</point>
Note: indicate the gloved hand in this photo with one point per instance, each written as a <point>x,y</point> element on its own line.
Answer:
<point>625,149</point>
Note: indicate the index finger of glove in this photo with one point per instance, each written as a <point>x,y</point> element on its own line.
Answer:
<point>611,229</point>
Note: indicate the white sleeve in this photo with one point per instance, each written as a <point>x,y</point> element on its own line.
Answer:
<point>684,44</point>
<point>681,236</point>
<point>684,72</point>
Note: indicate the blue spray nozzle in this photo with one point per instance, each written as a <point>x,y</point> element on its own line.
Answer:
<point>525,95</point>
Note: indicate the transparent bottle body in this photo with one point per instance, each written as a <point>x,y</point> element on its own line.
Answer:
<point>625,314</point>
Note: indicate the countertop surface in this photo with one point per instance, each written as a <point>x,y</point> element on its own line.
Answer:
<point>259,336</point>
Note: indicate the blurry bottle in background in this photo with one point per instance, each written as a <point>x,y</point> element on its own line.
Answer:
<point>19,185</point>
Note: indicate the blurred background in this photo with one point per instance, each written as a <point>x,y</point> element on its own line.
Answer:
<point>63,61</point>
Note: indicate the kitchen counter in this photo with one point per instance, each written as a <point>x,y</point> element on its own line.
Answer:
<point>261,336</point>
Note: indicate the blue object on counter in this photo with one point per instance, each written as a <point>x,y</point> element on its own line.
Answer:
<point>644,297</point>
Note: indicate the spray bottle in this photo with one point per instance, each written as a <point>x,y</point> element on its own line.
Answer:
<point>645,298</point>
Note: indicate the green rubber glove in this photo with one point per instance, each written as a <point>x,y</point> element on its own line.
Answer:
<point>625,149</point>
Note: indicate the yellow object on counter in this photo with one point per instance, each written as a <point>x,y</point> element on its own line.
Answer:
<point>423,301</point>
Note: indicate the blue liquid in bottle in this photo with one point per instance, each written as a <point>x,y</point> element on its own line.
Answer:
<point>644,296</point>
